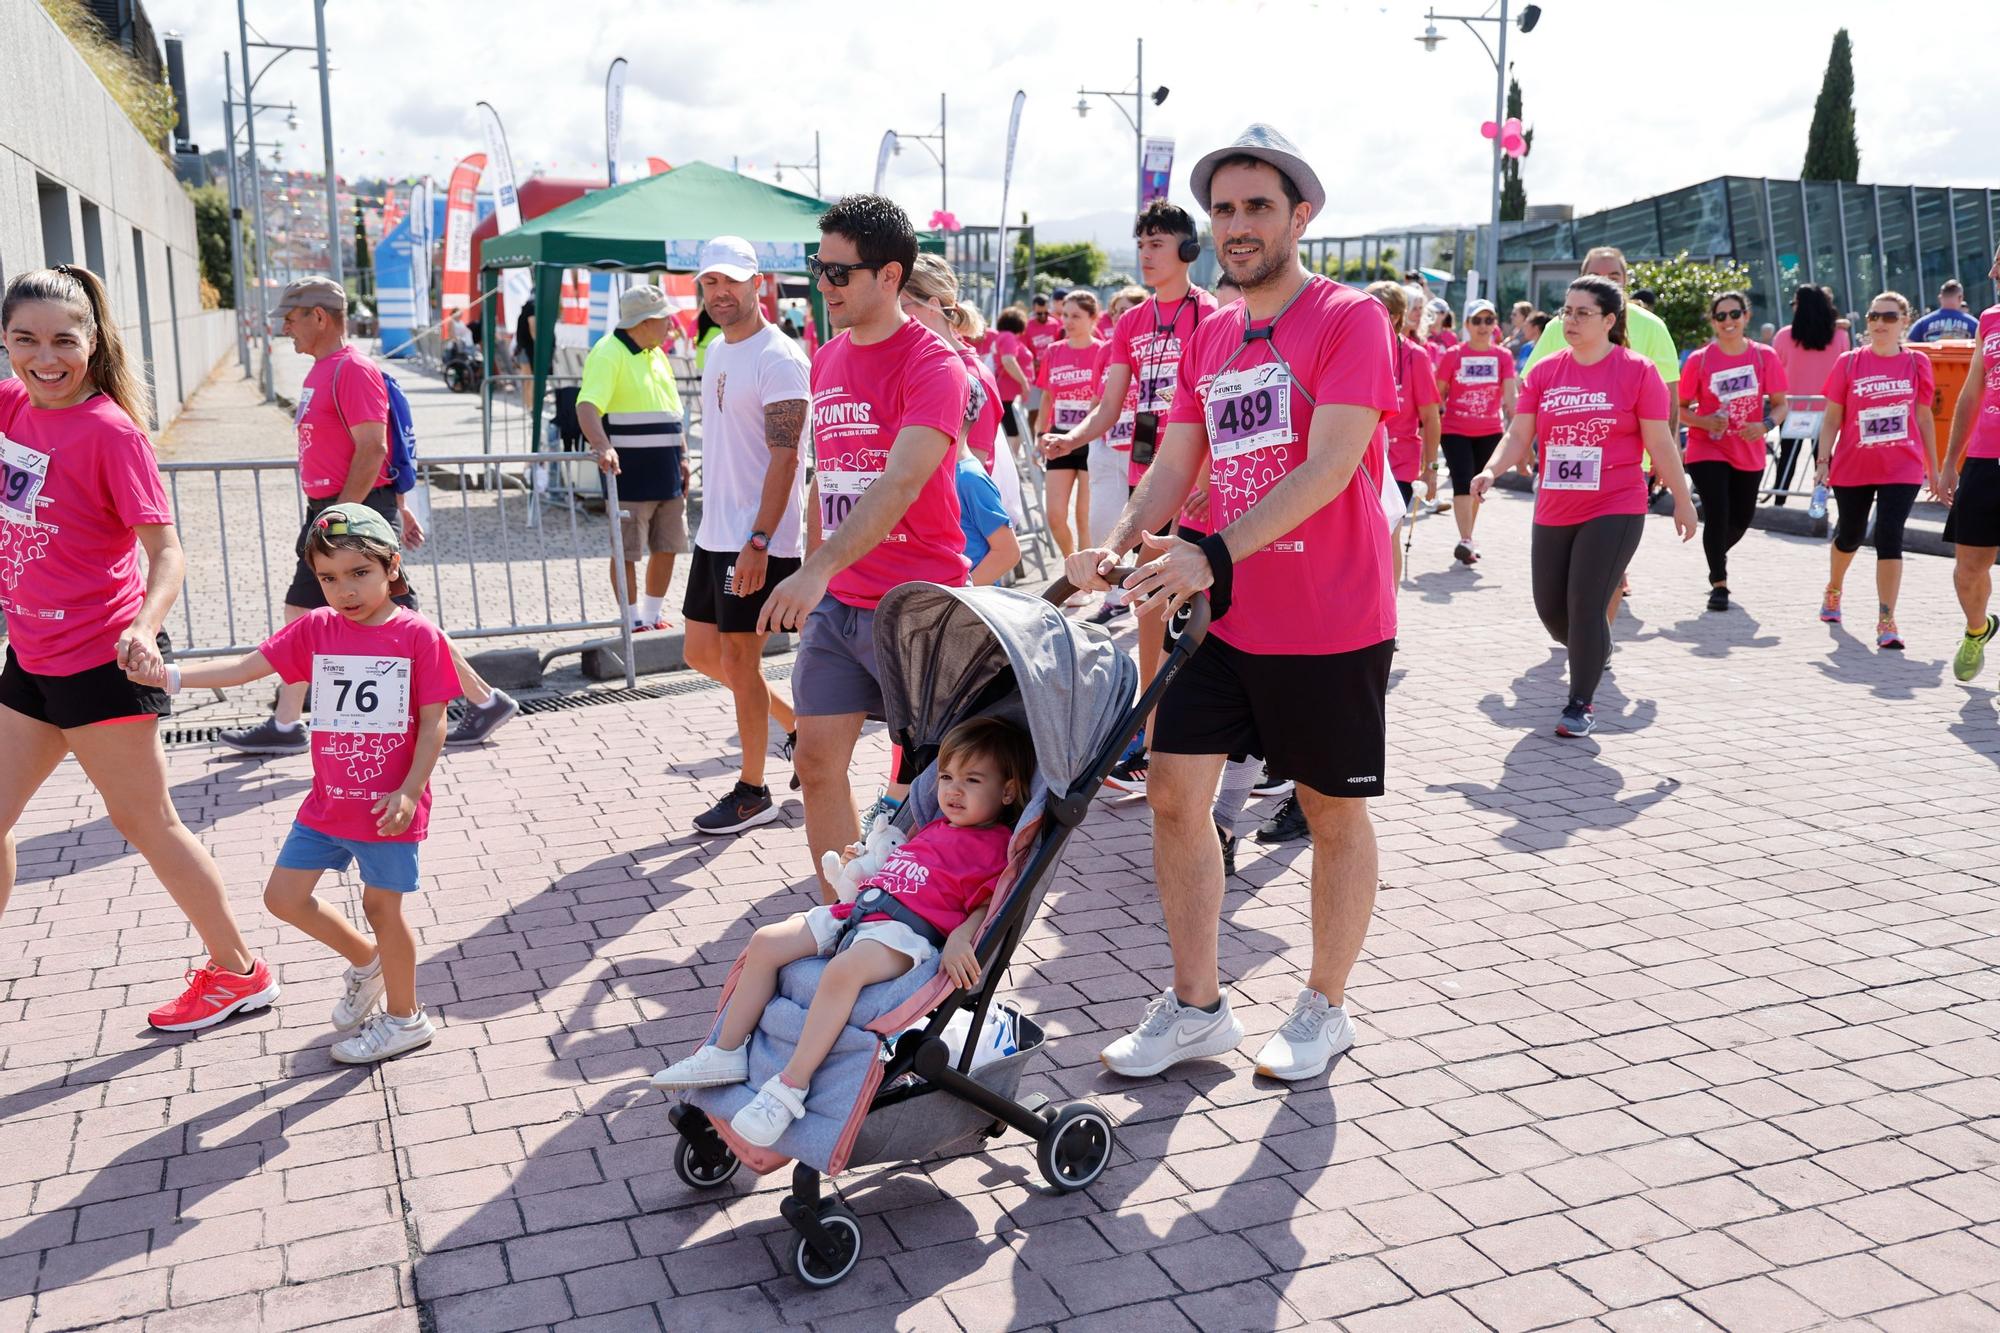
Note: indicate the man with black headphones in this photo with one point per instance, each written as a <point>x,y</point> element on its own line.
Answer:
<point>1139,375</point>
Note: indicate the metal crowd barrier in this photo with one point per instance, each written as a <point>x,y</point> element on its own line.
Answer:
<point>239,523</point>
<point>1802,417</point>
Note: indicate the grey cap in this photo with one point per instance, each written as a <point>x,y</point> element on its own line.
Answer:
<point>1266,145</point>
<point>311,293</point>
<point>638,304</point>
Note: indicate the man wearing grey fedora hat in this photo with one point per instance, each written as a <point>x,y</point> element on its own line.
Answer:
<point>1281,399</point>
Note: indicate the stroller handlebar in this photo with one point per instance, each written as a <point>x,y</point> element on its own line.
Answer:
<point>1192,617</point>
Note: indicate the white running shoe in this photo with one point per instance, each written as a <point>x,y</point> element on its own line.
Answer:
<point>363,993</point>
<point>1308,1040</point>
<point>1170,1033</point>
<point>709,1067</point>
<point>385,1037</point>
<point>770,1113</point>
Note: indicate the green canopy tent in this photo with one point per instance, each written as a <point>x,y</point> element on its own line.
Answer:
<point>653,223</point>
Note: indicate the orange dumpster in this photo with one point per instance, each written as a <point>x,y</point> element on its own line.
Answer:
<point>1951,362</point>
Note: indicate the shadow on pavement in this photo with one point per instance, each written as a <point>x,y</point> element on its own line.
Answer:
<point>1887,674</point>
<point>244,785</point>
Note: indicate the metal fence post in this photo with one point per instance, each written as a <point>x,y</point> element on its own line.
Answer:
<point>612,516</point>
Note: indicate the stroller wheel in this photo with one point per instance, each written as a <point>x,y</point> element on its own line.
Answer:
<point>845,1229</point>
<point>1077,1147</point>
<point>705,1170</point>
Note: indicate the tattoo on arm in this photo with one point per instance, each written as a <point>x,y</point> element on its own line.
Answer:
<point>784,423</point>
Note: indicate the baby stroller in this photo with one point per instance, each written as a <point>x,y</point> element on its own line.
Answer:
<point>890,1090</point>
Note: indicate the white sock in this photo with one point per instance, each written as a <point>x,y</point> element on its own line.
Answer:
<point>293,725</point>
<point>632,614</point>
<point>1234,790</point>
<point>649,609</point>
<point>373,969</point>
<point>410,1021</point>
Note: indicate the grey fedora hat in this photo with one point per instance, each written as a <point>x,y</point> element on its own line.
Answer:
<point>1266,145</point>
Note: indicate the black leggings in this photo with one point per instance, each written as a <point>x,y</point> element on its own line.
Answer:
<point>1728,496</point>
<point>1896,500</point>
<point>1576,568</point>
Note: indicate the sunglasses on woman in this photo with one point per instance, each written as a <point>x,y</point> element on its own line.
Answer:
<point>1884,316</point>
<point>1482,319</point>
<point>836,274</point>
<point>1723,316</point>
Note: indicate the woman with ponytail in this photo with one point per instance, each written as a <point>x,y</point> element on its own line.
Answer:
<point>1599,409</point>
<point>80,495</point>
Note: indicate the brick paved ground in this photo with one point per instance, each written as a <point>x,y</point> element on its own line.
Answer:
<point>1688,1024</point>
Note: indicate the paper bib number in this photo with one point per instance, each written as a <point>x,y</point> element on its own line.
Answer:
<point>1736,382</point>
<point>353,693</point>
<point>1120,436</point>
<point>1885,425</point>
<point>1572,467</point>
<point>1070,412</point>
<point>839,492</point>
<point>1250,410</point>
<point>22,473</point>
<point>1479,370</point>
<point>1156,393</point>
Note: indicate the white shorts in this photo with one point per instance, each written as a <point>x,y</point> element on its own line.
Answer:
<point>826,928</point>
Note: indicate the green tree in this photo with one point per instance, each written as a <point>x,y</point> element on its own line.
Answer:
<point>1514,195</point>
<point>1074,263</point>
<point>1360,269</point>
<point>1831,151</point>
<point>211,233</point>
<point>364,268</point>
<point>1683,289</point>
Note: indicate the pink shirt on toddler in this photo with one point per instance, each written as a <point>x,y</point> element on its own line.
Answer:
<point>944,874</point>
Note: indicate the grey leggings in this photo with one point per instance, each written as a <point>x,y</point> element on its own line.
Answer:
<point>1576,569</point>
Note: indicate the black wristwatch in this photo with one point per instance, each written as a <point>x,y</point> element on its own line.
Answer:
<point>760,541</point>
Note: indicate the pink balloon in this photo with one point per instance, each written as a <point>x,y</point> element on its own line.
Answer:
<point>1488,130</point>
<point>1513,145</point>
<point>1513,125</point>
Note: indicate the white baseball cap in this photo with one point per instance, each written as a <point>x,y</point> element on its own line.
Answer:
<point>731,256</point>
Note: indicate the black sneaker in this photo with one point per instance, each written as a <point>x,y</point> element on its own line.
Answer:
<point>1129,775</point>
<point>1718,598</point>
<point>1266,785</point>
<point>1577,720</point>
<point>1465,553</point>
<point>1229,841</point>
<point>786,751</point>
<point>745,807</point>
<point>267,737</point>
<point>1286,824</point>
<point>481,720</point>
<point>1109,612</point>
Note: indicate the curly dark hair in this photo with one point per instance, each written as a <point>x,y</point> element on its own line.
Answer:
<point>1164,218</point>
<point>879,228</point>
<point>1012,320</point>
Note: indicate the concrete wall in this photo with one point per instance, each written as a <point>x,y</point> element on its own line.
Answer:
<point>60,127</point>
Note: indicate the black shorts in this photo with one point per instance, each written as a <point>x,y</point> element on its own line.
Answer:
<point>101,694</point>
<point>1974,519</point>
<point>1467,456</point>
<point>305,592</point>
<point>1008,421</point>
<point>1408,490</point>
<point>1320,719</point>
<point>1076,460</point>
<point>709,602</point>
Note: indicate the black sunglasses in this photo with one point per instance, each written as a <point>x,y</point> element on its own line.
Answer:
<point>1884,316</point>
<point>837,274</point>
<point>1719,315</point>
<point>1482,319</point>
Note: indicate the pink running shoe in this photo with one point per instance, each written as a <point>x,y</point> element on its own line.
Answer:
<point>1829,607</point>
<point>213,994</point>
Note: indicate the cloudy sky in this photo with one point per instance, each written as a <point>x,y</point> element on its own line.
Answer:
<point>1628,97</point>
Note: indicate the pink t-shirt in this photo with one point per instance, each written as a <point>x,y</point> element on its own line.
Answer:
<point>1416,388</point>
<point>1324,586</point>
<point>982,408</point>
<point>74,482</point>
<point>368,681</point>
<point>326,445</point>
<point>1985,442</point>
<point>1472,386</point>
<point>1587,421</point>
<point>1713,381</point>
<point>1879,397</point>
<point>1806,370</point>
<point>1042,335</point>
<point>944,874</point>
<point>1148,340</point>
<point>1444,340</point>
<point>1073,378</point>
<point>1011,344</point>
<point>862,397</point>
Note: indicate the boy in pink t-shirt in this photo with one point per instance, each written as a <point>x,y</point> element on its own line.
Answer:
<point>380,677</point>
<point>929,900</point>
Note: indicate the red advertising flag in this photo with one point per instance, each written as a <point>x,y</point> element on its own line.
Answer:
<point>461,213</point>
<point>656,165</point>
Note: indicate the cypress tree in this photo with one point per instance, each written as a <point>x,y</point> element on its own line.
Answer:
<point>1831,151</point>
<point>1513,195</point>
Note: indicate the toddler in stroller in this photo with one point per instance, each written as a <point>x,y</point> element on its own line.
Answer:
<point>927,901</point>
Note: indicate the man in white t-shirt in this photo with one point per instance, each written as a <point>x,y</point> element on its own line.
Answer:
<point>755,387</point>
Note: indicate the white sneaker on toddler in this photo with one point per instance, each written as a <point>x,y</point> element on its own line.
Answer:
<point>364,987</point>
<point>709,1067</point>
<point>770,1113</point>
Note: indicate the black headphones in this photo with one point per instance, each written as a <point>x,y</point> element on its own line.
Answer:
<point>1190,249</point>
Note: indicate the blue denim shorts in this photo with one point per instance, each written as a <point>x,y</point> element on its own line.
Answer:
<point>384,865</point>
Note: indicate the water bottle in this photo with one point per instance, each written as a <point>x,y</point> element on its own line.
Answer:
<point>1816,508</point>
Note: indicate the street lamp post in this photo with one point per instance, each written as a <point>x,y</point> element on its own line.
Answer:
<point>941,153</point>
<point>1530,15</point>
<point>333,261</point>
<point>812,166</point>
<point>1136,118</point>
<point>235,211</point>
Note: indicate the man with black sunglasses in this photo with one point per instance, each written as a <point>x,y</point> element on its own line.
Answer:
<point>888,399</point>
